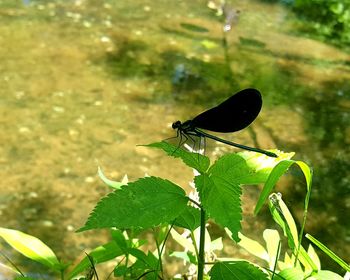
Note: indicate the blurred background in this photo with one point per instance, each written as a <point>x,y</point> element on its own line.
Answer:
<point>82,83</point>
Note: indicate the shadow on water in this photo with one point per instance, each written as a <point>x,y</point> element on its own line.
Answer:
<point>256,46</point>
<point>189,78</point>
<point>125,61</point>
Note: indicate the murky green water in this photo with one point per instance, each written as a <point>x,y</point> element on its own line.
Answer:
<point>84,82</point>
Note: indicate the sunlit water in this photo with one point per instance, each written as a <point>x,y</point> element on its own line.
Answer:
<point>84,82</point>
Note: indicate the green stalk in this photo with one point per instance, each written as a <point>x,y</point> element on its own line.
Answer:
<point>201,258</point>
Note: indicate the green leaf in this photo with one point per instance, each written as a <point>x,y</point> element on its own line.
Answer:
<point>186,243</point>
<point>149,260</point>
<point>146,266</point>
<point>327,251</point>
<point>221,200</point>
<point>291,274</point>
<point>120,270</point>
<point>220,188</point>
<point>284,218</point>
<point>31,247</point>
<point>120,239</point>
<point>100,254</point>
<point>144,203</point>
<point>247,167</point>
<point>236,270</point>
<point>190,218</point>
<point>314,257</point>
<point>274,176</point>
<point>193,160</point>
<point>272,240</point>
<point>253,247</point>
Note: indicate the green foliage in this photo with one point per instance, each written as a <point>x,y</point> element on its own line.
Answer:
<point>189,218</point>
<point>221,199</point>
<point>138,205</point>
<point>331,254</point>
<point>220,187</point>
<point>194,160</point>
<point>101,254</point>
<point>160,205</point>
<point>32,248</point>
<point>274,176</point>
<point>301,264</point>
<point>236,270</point>
<point>329,18</point>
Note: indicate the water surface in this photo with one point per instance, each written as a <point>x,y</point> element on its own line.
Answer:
<point>84,82</point>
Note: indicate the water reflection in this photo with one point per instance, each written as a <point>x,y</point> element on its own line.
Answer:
<point>84,80</point>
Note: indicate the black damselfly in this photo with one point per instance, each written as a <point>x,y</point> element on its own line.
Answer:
<point>235,113</point>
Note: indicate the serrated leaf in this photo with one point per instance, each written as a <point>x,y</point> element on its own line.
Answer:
<point>221,200</point>
<point>31,247</point>
<point>100,254</point>
<point>246,167</point>
<point>144,203</point>
<point>193,160</point>
<point>190,218</point>
<point>236,270</point>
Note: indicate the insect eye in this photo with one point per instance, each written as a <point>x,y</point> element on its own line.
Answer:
<point>176,124</point>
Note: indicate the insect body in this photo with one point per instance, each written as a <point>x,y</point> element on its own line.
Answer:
<point>234,114</point>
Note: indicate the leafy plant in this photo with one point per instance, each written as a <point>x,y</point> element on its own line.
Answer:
<point>162,207</point>
<point>328,18</point>
<point>151,201</point>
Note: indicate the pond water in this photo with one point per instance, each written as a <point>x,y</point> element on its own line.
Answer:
<point>84,82</point>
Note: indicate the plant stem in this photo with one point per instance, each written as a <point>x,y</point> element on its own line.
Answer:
<point>201,258</point>
<point>160,264</point>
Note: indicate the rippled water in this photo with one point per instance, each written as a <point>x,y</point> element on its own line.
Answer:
<point>84,82</point>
